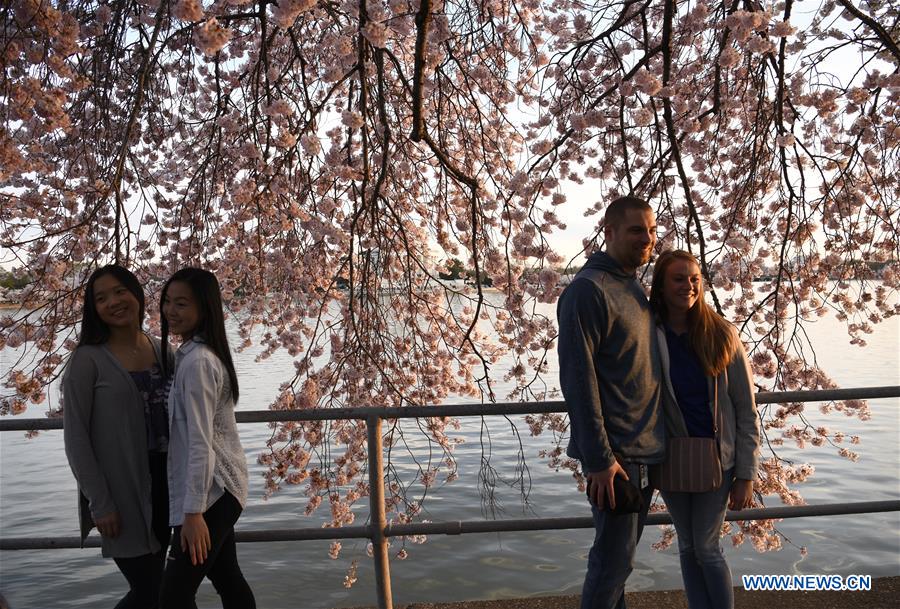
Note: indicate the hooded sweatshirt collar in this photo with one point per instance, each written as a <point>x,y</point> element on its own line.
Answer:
<point>604,262</point>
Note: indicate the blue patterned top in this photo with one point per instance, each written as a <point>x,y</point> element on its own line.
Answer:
<point>154,388</point>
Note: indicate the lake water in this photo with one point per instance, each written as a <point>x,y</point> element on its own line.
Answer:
<point>37,498</point>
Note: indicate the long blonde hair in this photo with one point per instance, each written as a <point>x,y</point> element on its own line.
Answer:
<point>713,339</point>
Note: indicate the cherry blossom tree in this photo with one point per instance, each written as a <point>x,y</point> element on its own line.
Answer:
<point>324,157</point>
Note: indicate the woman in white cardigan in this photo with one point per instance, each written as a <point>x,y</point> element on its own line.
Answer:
<point>207,468</point>
<point>706,374</point>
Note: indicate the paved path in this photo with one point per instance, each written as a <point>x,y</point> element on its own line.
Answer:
<point>885,594</point>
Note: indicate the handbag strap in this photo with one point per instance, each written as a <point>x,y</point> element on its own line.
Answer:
<point>716,408</point>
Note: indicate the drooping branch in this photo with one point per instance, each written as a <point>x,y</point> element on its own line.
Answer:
<point>138,96</point>
<point>423,20</point>
<point>668,18</point>
<point>883,35</point>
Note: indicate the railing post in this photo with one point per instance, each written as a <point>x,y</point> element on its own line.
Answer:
<point>377,519</point>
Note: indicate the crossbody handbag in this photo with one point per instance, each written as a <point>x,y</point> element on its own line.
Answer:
<point>693,465</point>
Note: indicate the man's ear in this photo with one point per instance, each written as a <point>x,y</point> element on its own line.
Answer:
<point>607,229</point>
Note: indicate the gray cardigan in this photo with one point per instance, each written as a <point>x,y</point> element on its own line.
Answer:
<point>105,436</point>
<point>738,419</point>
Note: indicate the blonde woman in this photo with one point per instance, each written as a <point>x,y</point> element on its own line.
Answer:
<point>705,371</point>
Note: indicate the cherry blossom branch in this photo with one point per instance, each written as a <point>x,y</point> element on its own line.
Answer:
<point>883,36</point>
<point>423,20</point>
<point>668,18</point>
<point>138,94</point>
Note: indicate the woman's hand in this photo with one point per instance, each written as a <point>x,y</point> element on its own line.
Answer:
<point>195,538</point>
<point>109,525</point>
<point>741,494</point>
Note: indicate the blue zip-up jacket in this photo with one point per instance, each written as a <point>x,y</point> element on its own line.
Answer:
<point>609,368</point>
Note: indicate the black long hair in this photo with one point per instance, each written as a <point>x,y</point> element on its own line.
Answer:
<point>94,330</point>
<point>211,323</point>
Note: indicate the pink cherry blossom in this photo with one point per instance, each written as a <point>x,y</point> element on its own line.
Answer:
<point>188,10</point>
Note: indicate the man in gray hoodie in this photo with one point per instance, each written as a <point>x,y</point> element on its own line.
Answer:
<point>610,378</point>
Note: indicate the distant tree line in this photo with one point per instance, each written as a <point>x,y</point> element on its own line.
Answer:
<point>15,279</point>
<point>457,270</point>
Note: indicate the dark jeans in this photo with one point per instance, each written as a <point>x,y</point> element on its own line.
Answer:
<point>181,579</point>
<point>144,573</point>
<point>611,558</point>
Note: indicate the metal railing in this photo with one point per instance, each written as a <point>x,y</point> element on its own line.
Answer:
<point>379,530</point>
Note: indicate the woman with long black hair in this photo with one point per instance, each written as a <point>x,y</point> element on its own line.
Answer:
<point>207,467</point>
<point>116,432</point>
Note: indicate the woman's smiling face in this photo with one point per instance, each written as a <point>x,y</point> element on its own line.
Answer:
<point>181,310</point>
<point>683,285</point>
<point>116,306</point>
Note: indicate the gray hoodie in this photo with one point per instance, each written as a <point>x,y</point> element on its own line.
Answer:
<point>609,368</point>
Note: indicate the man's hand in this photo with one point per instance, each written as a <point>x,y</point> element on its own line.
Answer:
<point>741,494</point>
<point>600,485</point>
<point>195,538</point>
<point>109,525</point>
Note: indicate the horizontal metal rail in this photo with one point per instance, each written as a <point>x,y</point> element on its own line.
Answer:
<point>656,518</point>
<point>468,410</point>
<point>463,527</point>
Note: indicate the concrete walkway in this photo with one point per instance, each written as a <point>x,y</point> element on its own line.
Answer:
<point>885,594</point>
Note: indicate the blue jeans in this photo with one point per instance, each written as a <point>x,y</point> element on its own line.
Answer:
<point>611,558</point>
<point>698,519</point>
